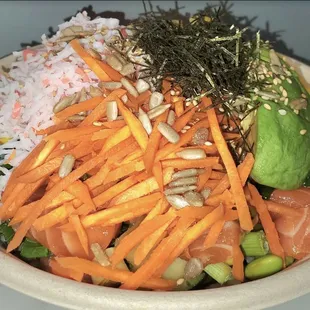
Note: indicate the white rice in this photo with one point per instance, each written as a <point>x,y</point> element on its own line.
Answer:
<point>39,82</point>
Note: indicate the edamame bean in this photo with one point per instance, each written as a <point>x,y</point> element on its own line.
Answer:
<point>289,260</point>
<point>263,267</point>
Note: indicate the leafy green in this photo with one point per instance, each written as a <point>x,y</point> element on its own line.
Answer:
<point>6,233</point>
<point>264,190</point>
<point>307,181</point>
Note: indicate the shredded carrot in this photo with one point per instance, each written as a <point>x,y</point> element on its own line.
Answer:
<point>194,212</point>
<point>231,135</point>
<point>135,126</point>
<point>217,175</point>
<point>75,221</point>
<point>49,196</point>
<point>158,174</point>
<point>114,124</point>
<point>83,106</point>
<point>98,179</point>
<point>213,234</point>
<point>116,275</point>
<point>190,236</point>
<point>186,164</point>
<point>158,256</point>
<point>211,184</point>
<point>184,139</point>
<point>179,107</point>
<point>153,144</point>
<point>238,268</point>
<point>266,220</point>
<point>81,192</point>
<point>58,270</point>
<point>160,208</point>
<point>143,188</point>
<point>113,74</point>
<point>282,209</point>
<point>131,157</point>
<point>137,235</point>
<point>143,98</point>
<point>103,216</point>
<point>203,178</point>
<point>231,215</point>
<point>54,217</point>
<point>225,198</point>
<point>244,170</point>
<point>235,182</point>
<point>103,134</point>
<point>58,126</point>
<point>90,61</point>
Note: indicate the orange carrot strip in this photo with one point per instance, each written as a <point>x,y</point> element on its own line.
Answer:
<point>58,270</point>
<point>158,174</point>
<point>90,61</point>
<point>75,221</point>
<point>103,134</point>
<point>153,144</point>
<point>99,178</point>
<point>217,175</point>
<point>135,126</point>
<point>143,98</point>
<point>100,110</point>
<point>184,139</point>
<point>137,235</point>
<point>81,192</point>
<point>160,208</point>
<point>141,189</point>
<point>159,256</point>
<point>179,107</point>
<point>238,268</point>
<point>54,217</point>
<point>231,135</point>
<point>213,234</point>
<point>47,150</point>
<point>203,178</point>
<point>244,170</point>
<point>131,157</point>
<point>104,215</point>
<point>234,179</point>
<point>211,184</point>
<point>116,275</point>
<point>190,236</point>
<point>194,212</point>
<point>282,209</point>
<point>266,220</point>
<point>49,196</point>
<point>194,163</point>
<point>49,130</point>
<point>226,198</point>
<point>83,106</point>
<point>11,157</point>
<point>231,215</point>
<point>113,74</point>
<point>114,124</point>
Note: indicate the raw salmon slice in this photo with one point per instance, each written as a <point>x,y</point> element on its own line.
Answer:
<point>222,251</point>
<point>298,198</point>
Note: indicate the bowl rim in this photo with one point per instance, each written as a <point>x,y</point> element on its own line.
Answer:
<point>279,288</point>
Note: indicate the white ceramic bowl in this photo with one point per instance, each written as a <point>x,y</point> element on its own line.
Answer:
<point>279,288</point>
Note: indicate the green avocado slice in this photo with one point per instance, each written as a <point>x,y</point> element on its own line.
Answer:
<point>281,147</point>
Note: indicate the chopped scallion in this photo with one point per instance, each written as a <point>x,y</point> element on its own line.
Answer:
<point>220,272</point>
<point>255,244</point>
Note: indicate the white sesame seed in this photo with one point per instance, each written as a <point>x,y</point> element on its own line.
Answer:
<point>188,103</point>
<point>284,93</point>
<point>221,110</point>
<point>255,97</point>
<point>177,93</point>
<point>98,124</point>
<point>286,101</point>
<point>282,99</point>
<point>303,96</point>
<point>275,82</point>
<point>276,101</point>
<point>187,127</point>
<point>282,77</point>
<point>289,80</point>
<point>195,102</point>
<point>62,146</point>
<point>279,81</point>
<point>296,111</point>
<point>232,27</point>
<point>183,130</point>
<point>265,97</point>
<point>208,143</point>
<point>282,112</point>
<point>180,281</point>
<point>265,70</point>
<point>172,92</point>
<point>230,128</point>
<point>225,127</point>
<point>267,106</point>
<point>303,132</point>
<point>281,88</point>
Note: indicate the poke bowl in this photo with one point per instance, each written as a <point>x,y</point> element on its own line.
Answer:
<point>160,165</point>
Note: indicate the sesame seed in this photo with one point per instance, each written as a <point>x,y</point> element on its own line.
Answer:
<point>282,112</point>
<point>239,150</point>
<point>273,91</point>
<point>178,93</point>
<point>276,101</point>
<point>267,106</point>
<point>172,92</point>
<point>180,281</point>
<point>275,82</point>
<point>208,143</point>
<point>265,97</point>
<point>281,88</point>
<point>232,27</point>
<point>255,90</point>
<point>87,70</point>
<point>62,146</point>
<point>188,103</point>
<point>265,70</point>
<point>98,124</point>
<point>303,96</point>
<point>255,97</point>
<point>289,80</point>
<point>230,128</point>
<point>282,77</point>
<point>183,130</point>
<point>303,132</point>
<point>286,101</point>
<point>225,127</point>
<point>282,99</point>
<point>284,93</point>
<point>221,110</point>
<point>187,127</point>
<point>279,81</point>
<point>195,102</point>
<point>296,111</point>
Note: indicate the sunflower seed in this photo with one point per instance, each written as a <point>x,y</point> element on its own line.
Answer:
<point>184,181</point>
<point>303,132</point>
<point>93,53</point>
<point>66,39</point>
<point>200,137</point>
<point>95,91</point>
<point>156,100</point>
<point>128,69</point>
<point>142,86</point>
<point>185,173</point>
<point>66,102</point>
<point>177,201</point>
<point>206,193</point>
<point>168,132</point>
<point>146,123</point>
<point>192,154</point>
<point>110,85</point>
<point>66,166</point>
<point>158,110</point>
<point>83,96</point>
<point>193,268</point>
<point>129,87</point>
<point>112,110</point>
<point>76,118</point>
<point>194,199</point>
<point>114,62</point>
<point>171,118</point>
<point>299,104</point>
<point>179,189</point>
<point>71,31</point>
<point>124,98</point>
